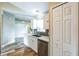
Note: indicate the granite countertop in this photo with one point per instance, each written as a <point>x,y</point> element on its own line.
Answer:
<point>44,38</point>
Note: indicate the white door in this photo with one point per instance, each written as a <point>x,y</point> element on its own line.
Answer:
<point>57,31</point>
<point>70,29</point>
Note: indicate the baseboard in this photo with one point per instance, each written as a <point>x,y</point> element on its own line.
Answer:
<point>7,44</point>
<point>5,53</point>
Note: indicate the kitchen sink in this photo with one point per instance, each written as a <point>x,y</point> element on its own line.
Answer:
<point>37,35</point>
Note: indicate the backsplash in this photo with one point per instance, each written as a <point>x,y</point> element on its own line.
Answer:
<point>40,32</point>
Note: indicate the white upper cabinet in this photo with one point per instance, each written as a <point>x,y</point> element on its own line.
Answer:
<point>46,21</point>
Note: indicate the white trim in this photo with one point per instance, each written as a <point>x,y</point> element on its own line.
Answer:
<point>7,44</point>
<point>5,53</point>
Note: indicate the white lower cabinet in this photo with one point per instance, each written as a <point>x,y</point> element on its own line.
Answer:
<point>32,42</point>
<point>65,30</point>
<point>35,45</point>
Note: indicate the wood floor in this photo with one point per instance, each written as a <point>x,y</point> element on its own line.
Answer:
<point>26,51</point>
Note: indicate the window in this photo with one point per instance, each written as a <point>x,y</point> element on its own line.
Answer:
<point>38,24</point>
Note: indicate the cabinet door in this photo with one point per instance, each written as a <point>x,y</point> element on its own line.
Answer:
<point>46,22</point>
<point>30,44</point>
<point>42,48</point>
<point>70,29</point>
<point>34,41</point>
<point>57,31</point>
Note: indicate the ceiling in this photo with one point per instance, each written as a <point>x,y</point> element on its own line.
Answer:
<point>31,7</point>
